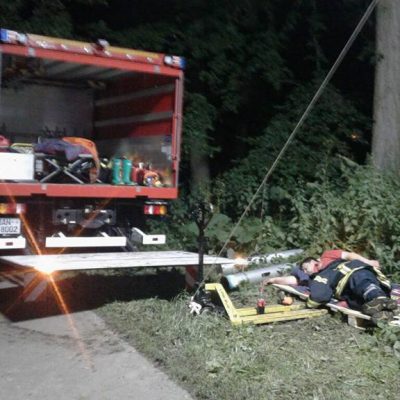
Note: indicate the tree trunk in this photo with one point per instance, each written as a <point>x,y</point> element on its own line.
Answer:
<point>386,131</point>
<point>199,166</point>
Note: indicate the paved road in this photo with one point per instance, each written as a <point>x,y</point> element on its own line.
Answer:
<point>76,357</point>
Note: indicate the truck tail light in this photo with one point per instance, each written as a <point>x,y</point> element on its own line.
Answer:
<point>12,208</point>
<point>155,209</point>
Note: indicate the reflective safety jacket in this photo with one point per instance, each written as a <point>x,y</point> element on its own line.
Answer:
<point>331,281</point>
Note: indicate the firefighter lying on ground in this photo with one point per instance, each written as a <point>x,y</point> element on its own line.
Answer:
<point>344,276</point>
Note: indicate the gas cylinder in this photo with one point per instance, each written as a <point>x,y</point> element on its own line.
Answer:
<point>116,171</point>
<point>138,173</point>
<point>126,172</point>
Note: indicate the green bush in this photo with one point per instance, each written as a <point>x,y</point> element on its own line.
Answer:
<point>316,144</point>
<point>358,212</point>
<point>354,208</point>
<point>388,338</point>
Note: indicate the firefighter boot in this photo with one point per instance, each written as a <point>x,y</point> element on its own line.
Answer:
<point>126,172</point>
<point>116,171</point>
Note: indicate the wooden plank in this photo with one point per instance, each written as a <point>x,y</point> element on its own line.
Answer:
<point>85,261</point>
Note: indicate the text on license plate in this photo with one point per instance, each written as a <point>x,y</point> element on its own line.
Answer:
<point>9,226</point>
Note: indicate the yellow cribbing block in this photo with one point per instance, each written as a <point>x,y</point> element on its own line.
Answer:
<point>226,301</point>
<point>247,311</point>
<point>248,315</point>
<point>282,316</point>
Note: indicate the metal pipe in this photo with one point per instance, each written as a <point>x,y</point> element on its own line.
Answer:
<point>256,275</point>
<point>239,265</point>
<point>267,258</point>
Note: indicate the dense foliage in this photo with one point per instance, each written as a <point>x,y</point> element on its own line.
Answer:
<point>358,212</point>
<point>327,132</point>
<point>253,67</point>
<point>347,206</point>
<point>245,66</point>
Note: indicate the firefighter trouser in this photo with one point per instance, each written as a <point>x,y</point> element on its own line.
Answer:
<point>363,286</point>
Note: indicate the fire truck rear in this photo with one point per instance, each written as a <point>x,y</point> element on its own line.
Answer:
<point>89,143</point>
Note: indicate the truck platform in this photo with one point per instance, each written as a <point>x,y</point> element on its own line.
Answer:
<point>88,261</point>
<point>32,273</point>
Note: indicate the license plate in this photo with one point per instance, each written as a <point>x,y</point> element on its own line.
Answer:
<point>10,226</point>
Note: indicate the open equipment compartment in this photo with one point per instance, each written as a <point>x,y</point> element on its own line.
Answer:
<point>127,102</point>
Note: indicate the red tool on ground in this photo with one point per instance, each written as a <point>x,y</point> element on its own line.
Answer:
<point>261,301</point>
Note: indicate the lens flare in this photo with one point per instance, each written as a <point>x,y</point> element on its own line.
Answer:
<point>65,310</point>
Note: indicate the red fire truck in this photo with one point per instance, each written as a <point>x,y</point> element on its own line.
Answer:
<point>90,140</point>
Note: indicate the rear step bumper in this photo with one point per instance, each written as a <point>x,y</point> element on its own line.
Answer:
<point>13,243</point>
<point>60,240</point>
<point>140,237</point>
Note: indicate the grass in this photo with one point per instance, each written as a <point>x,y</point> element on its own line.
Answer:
<point>321,358</point>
